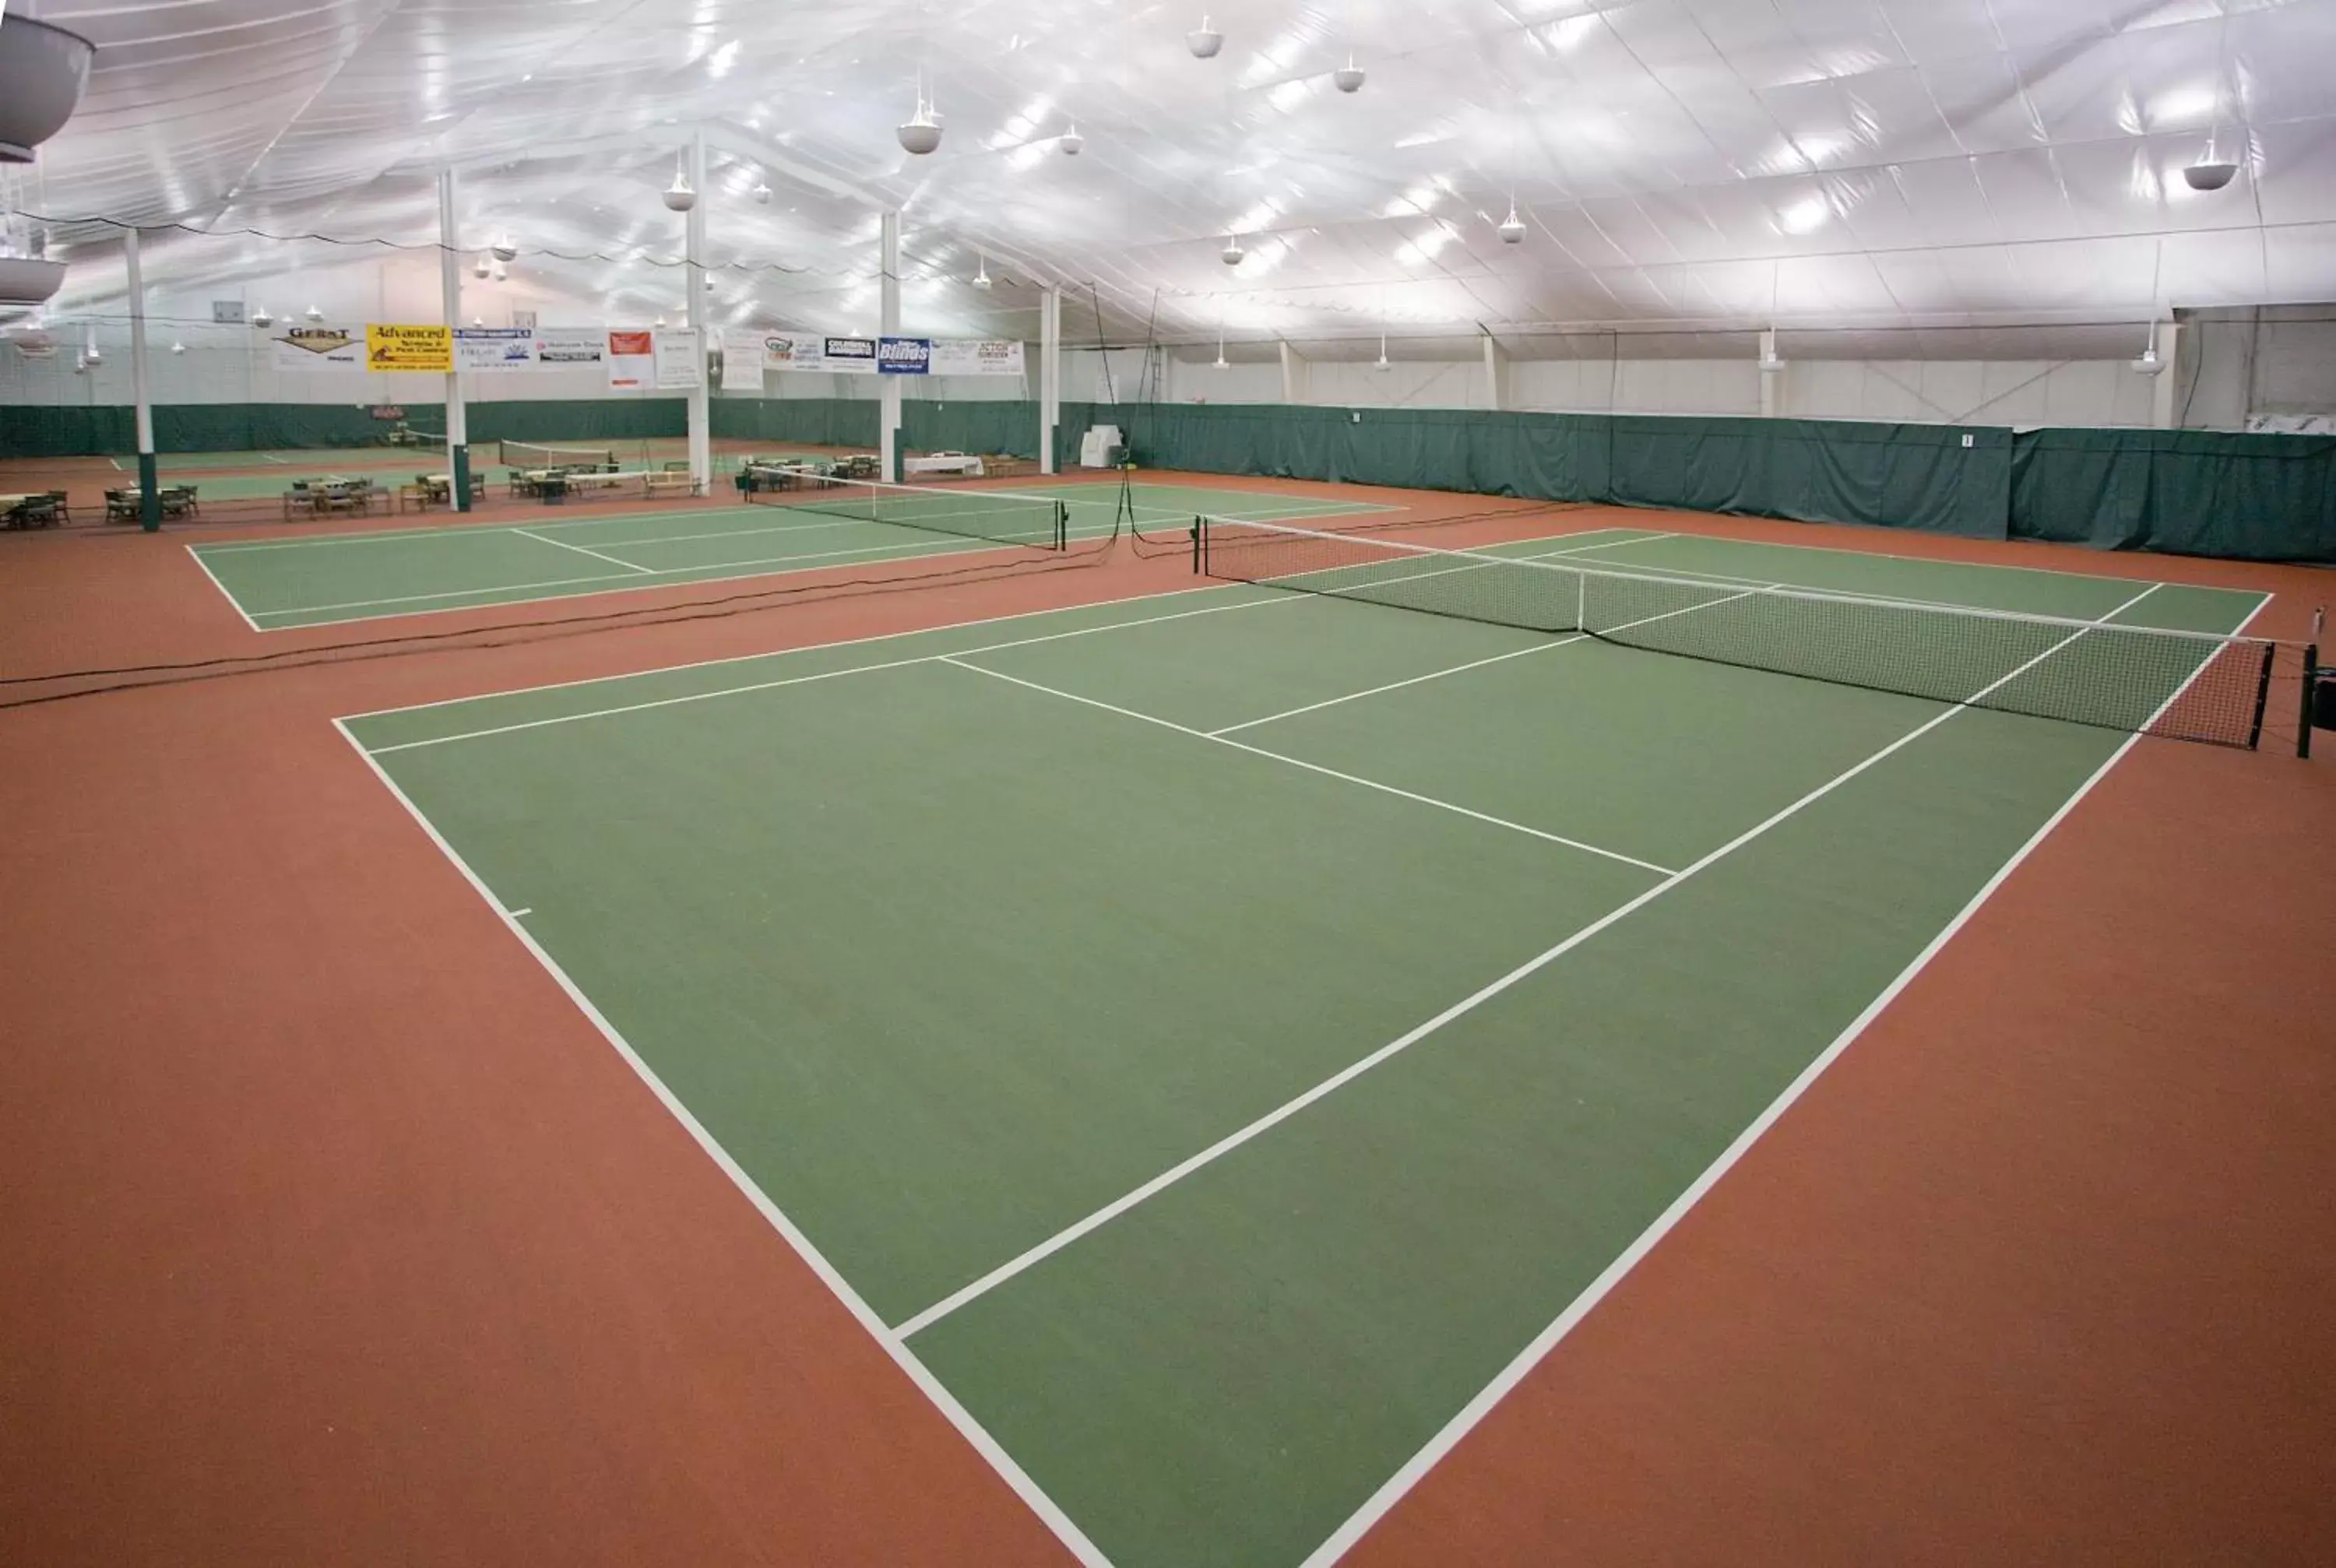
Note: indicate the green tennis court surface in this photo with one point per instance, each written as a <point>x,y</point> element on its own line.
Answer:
<point>336,578</point>
<point>1221,1035</point>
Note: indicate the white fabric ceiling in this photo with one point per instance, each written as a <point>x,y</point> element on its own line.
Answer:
<point>1717,164</point>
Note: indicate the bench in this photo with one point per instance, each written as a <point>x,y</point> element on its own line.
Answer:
<point>661,484</point>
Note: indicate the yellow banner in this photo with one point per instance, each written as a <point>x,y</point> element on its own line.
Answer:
<point>394,347</point>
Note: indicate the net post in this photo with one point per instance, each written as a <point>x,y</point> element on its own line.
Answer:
<point>2262,695</point>
<point>2303,717</point>
<point>1201,544</point>
<point>1062,525</point>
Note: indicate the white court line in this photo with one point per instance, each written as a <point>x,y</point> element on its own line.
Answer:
<point>730,571</point>
<point>1225,1146</point>
<point>1929,560</point>
<point>580,549</point>
<point>1392,1491</point>
<point>791,681</point>
<point>233,603</point>
<point>1266,596</point>
<point>1310,768</point>
<point>1479,664</point>
<point>517,914</point>
<point>971,1430</point>
<point>894,551</point>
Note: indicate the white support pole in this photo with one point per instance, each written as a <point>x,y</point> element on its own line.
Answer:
<point>1293,375</point>
<point>150,494</point>
<point>701,413</point>
<point>1051,377</point>
<point>2169,350</point>
<point>450,285</point>
<point>1496,374</point>
<point>889,324</point>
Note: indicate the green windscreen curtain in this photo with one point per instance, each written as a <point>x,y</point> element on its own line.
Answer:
<point>2183,492</point>
<point>112,432</point>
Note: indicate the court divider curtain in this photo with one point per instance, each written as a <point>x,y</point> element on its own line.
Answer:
<point>2185,492</point>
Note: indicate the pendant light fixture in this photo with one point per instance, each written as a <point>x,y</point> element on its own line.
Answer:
<point>2213,172</point>
<point>1513,228</point>
<point>261,319</point>
<point>314,314</point>
<point>1232,253</point>
<point>981,272</point>
<point>1204,41</point>
<point>1071,141</point>
<point>922,133</point>
<point>762,192</point>
<point>1348,78</point>
<point>678,196</point>
<point>482,267</point>
<point>505,251</point>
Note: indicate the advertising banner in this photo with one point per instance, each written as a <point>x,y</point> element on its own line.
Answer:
<point>560,347</point>
<point>977,356</point>
<point>904,355</point>
<point>409,348</point>
<point>632,359</point>
<point>742,359</point>
<point>835,355</point>
<point>680,352</point>
<point>318,348</point>
<point>494,347</point>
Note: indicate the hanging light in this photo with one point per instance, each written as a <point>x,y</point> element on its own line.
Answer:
<point>504,249</point>
<point>762,192</point>
<point>1204,41</point>
<point>982,277</point>
<point>2149,364</point>
<point>89,354</point>
<point>2209,172</point>
<point>261,319</point>
<point>1513,228</point>
<point>1232,253</point>
<point>1348,78</point>
<point>1071,141</point>
<point>314,314</point>
<point>1220,363</point>
<point>922,133</point>
<point>678,196</point>
<point>1383,363</point>
<point>482,267</point>
<point>659,322</point>
<point>500,272</point>
<point>178,348</point>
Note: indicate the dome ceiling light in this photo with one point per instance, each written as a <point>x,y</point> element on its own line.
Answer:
<point>982,277</point>
<point>505,251</point>
<point>1204,41</point>
<point>1071,141</point>
<point>178,348</point>
<point>43,71</point>
<point>1348,78</point>
<point>314,314</point>
<point>762,192</point>
<point>678,196</point>
<point>1232,253</point>
<point>1513,228</point>
<point>261,319</point>
<point>922,133</point>
<point>482,267</point>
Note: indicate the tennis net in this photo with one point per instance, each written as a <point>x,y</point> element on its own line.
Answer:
<point>528,454</point>
<point>2189,685</point>
<point>999,517</point>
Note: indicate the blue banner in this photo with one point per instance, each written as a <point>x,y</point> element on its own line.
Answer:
<point>904,355</point>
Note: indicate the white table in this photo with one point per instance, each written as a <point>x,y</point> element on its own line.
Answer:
<point>943,462</point>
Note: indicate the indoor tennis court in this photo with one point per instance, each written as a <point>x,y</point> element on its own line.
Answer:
<point>1387,785</point>
<point>335,578</point>
<point>1288,946</point>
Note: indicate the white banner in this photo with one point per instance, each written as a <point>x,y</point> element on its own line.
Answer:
<point>976,356</point>
<point>632,359</point>
<point>835,355</point>
<point>560,346</point>
<point>494,348</point>
<point>742,359</point>
<point>680,354</point>
<point>320,349</point>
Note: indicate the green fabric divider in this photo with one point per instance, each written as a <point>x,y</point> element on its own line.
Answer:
<point>2182,492</point>
<point>813,420</point>
<point>45,429</point>
<point>1936,478</point>
<point>42,430</point>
